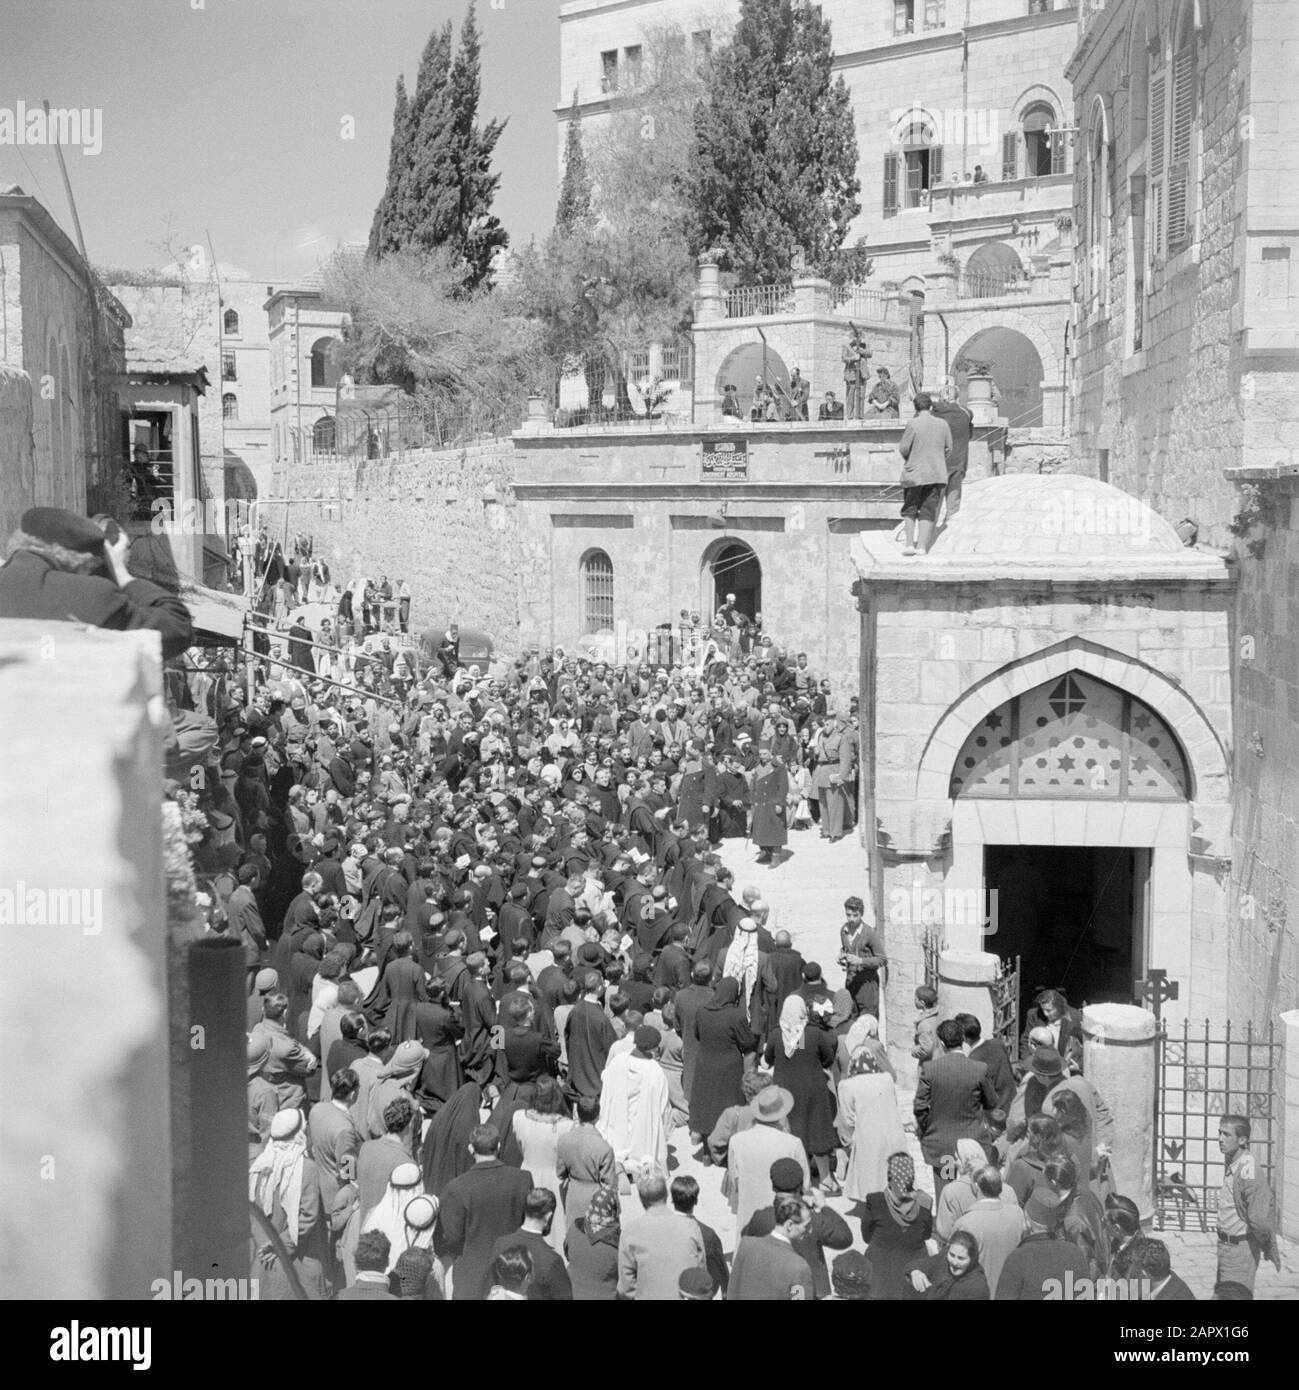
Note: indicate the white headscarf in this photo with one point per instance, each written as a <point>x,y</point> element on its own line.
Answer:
<point>864,1026</point>
<point>276,1173</point>
<point>741,961</point>
<point>793,1023</point>
<point>389,1213</point>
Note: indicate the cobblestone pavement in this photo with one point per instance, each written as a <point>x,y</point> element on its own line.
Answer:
<point>806,893</point>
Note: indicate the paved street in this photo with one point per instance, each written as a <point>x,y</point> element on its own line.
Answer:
<point>806,893</point>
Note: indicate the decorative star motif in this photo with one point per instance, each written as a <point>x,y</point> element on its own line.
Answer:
<point>1066,763</point>
<point>994,721</point>
<point>1139,764</point>
<point>1141,721</point>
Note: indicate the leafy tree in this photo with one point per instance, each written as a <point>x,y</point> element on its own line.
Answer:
<point>440,185</point>
<point>575,190</point>
<point>624,276</point>
<point>775,168</point>
<point>413,324</point>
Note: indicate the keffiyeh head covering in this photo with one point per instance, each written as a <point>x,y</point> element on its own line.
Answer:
<point>793,1023</point>
<point>604,1212</point>
<point>275,1175</point>
<point>970,1154</point>
<point>741,961</point>
<point>389,1213</point>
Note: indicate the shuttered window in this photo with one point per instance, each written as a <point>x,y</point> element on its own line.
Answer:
<point>890,185</point>
<point>1179,172</point>
<point>1009,156</point>
<point>935,166</point>
<point>1157,171</point>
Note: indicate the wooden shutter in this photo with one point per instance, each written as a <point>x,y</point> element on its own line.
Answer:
<point>935,165</point>
<point>1156,170</point>
<point>890,185</point>
<point>1179,172</point>
<point>1010,156</point>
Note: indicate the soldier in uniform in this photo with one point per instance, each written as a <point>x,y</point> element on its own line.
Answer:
<point>834,771</point>
<point>770,795</point>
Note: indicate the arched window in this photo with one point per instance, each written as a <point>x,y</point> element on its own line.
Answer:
<point>229,406</point>
<point>231,324</point>
<point>1043,141</point>
<point>324,435</point>
<point>910,174</point>
<point>991,270</point>
<point>324,369</point>
<point>597,592</point>
<point>1073,736</point>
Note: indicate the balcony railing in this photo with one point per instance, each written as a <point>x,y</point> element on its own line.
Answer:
<point>857,302</point>
<point>759,301</point>
<point>150,483</point>
<point>991,284</point>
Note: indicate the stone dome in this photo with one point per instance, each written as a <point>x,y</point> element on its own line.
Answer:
<point>1038,515</point>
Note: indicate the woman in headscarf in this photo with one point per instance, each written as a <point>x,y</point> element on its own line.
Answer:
<point>389,1214</point>
<point>285,1185</point>
<point>863,1032</point>
<point>869,1125</point>
<point>592,1249</point>
<point>959,1195</point>
<point>800,1056</point>
<point>723,1039</point>
<point>1028,1169</point>
<point>896,1225</point>
<point>954,1275</point>
<point>537,1130</point>
<point>444,1153</point>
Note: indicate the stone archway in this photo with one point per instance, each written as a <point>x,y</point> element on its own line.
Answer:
<point>731,566</point>
<point>744,365</point>
<point>1017,370</point>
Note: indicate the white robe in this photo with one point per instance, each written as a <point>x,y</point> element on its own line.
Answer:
<point>636,1112</point>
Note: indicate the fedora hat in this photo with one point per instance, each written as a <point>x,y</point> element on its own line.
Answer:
<point>1046,1064</point>
<point>771,1104</point>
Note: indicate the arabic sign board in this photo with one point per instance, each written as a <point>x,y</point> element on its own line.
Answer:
<point>725,458</point>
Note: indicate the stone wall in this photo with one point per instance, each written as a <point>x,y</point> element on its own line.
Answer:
<point>443,521</point>
<point>17,448</point>
<point>1265,851</point>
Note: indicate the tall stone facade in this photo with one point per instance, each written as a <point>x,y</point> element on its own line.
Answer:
<point>446,522</point>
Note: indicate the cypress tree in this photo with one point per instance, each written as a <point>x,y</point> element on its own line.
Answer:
<point>385,229</point>
<point>575,191</point>
<point>478,233</point>
<point>775,166</point>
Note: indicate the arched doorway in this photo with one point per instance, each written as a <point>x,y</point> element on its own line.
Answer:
<point>742,369</point>
<point>1071,905</point>
<point>1016,371</point>
<point>733,568</point>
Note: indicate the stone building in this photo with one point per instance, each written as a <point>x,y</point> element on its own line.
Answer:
<point>1187,377</point>
<point>62,341</point>
<point>965,149</point>
<point>304,327</point>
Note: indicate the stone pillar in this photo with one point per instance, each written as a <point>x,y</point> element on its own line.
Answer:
<point>710,304</point>
<point>1119,1060</point>
<point>811,296</point>
<point>965,980</point>
<point>1287,1178</point>
<point>85,1154</point>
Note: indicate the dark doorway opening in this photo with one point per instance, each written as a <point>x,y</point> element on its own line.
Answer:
<point>1074,914</point>
<point>736,571</point>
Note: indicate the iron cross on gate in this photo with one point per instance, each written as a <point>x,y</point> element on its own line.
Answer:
<point>1156,990</point>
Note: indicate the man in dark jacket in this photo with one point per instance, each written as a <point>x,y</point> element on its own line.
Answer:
<point>478,1207</point>
<point>64,567</point>
<point>590,1035</point>
<point>961,423</point>
<point>550,1282</point>
<point>828,1230</point>
<point>1036,1271</point>
<point>992,1053</point>
<point>951,1096</point>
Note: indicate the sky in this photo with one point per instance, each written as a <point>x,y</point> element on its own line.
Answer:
<point>225,118</point>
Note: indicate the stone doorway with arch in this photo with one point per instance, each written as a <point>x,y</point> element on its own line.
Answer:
<point>1016,370</point>
<point>744,366</point>
<point>731,566</point>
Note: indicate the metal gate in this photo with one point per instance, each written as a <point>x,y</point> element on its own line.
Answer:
<point>933,948</point>
<point>1202,1075</point>
<point>1005,1007</point>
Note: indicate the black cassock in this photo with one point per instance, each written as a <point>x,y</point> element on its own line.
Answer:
<point>770,790</point>
<point>732,804</point>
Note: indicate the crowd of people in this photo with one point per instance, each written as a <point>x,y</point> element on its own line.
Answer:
<point>500,980</point>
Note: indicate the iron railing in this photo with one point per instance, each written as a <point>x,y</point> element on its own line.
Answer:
<point>857,302</point>
<point>759,301</point>
<point>989,284</point>
<point>1201,1076</point>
